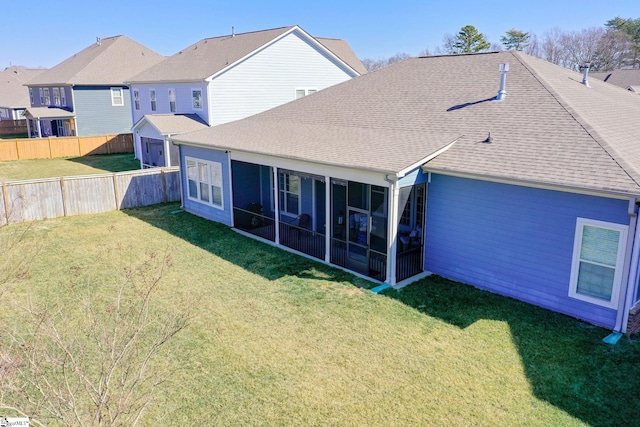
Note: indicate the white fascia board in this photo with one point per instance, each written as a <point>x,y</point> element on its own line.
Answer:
<point>431,156</point>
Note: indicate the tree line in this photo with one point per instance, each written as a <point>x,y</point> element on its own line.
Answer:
<point>613,46</point>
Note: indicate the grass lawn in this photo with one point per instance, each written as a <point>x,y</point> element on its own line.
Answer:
<point>15,136</point>
<point>282,340</point>
<point>51,168</point>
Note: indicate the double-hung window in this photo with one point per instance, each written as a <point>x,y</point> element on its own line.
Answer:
<point>56,96</point>
<point>598,258</point>
<point>196,97</point>
<point>63,97</point>
<point>47,96</point>
<point>172,100</point>
<point>136,99</point>
<point>31,95</point>
<point>204,182</point>
<point>41,93</point>
<point>117,97</point>
<point>302,92</point>
<point>289,193</point>
<point>152,98</point>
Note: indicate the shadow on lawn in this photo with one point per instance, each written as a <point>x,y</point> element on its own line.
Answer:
<point>109,162</point>
<point>565,360</point>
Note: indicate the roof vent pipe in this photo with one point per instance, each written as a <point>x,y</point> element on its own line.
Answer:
<point>502,93</point>
<point>233,31</point>
<point>585,74</point>
<point>98,41</point>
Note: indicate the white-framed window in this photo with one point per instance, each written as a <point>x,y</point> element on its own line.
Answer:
<point>63,97</point>
<point>204,182</point>
<point>117,97</point>
<point>136,99</point>
<point>304,91</point>
<point>31,95</point>
<point>598,258</point>
<point>47,96</point>
<point>289,187</point>
<point>56,96</point>
<point>172,100</point>
<point>196,97</point>
<point>41,93</point>
<point>152,98</point>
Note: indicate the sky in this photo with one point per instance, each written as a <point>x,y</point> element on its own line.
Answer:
<point>49,31</point>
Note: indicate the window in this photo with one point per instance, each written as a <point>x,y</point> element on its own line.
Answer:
<point>56,96</point>
<point>196,96</point>
<point>172,100</point>
<point>289,193</point>
<point>31,95</point>
<point>117,97</point>
<point>598,256</point>
<point>41,93</point>
<point>47,96</point>
<point>63,97</point>
<point>152,98</point>
<point>302,92</point>
<point>136,99</point>
<point>204,181</point>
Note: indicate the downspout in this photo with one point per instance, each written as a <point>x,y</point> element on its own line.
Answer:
<point>632,283</point>
<point>625,291</point>
<point>392,245</point>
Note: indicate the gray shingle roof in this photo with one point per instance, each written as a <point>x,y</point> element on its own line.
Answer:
<point>112,62</point>
<point>622,78</point>
<point>170,124</point>
<point>211,55</point>
<point>48,113</point>
<point>13,93</point>
<point>550,129</point>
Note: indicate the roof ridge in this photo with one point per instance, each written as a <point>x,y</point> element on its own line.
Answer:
<point>594,134</point>
<point>99,43</point>
<point>246,33</point>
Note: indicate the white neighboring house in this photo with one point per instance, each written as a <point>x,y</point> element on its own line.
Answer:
<point>226,78</point>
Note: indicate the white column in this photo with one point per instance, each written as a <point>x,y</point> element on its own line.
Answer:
<point>276,195</point>
<point>39,128</point>
<point>392,244</point>
<point>328,219</point>
<point>167,153</point>
<point>29,128</point>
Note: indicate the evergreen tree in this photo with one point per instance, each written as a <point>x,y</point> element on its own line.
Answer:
<point>515,39</point>
<point>469,40</point>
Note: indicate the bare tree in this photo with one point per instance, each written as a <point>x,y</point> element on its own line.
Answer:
<point>376,64</point>
<point>99,367</point>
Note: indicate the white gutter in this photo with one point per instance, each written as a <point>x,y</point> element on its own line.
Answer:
<point>628,292</point>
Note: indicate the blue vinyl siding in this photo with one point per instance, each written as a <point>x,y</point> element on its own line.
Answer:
<point>200,209</point>
<point>245,176</point>
<point>96,116</point>
<point>512,240</point>
<point>414,177</point>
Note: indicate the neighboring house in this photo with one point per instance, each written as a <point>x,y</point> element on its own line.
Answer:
<point>86,94</point>
<point>227,78</point>
<point>417,168</point>
<point>14,96</point>
<point>626,78</point>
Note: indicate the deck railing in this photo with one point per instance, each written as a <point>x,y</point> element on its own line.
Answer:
<point>302,240</point>
<point>408,263</point>
<point>254,223</point>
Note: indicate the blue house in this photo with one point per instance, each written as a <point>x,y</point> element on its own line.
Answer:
<point>499,170</point>
<point>86,94</point>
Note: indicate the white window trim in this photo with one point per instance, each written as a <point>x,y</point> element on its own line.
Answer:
<point>63,97</point>
<point>201,99</point>
<point>280,196</point>
<point>113,98</point>
<point>56,100</point>
<point>136,99</point>
<point>575,262</point>
<point>198,199</point>
<point>41,93</point>
<point>31,95</point>
<point>153,100</point>
<point>306,91</point>
<point>175,106</point>
<point>47,96</point>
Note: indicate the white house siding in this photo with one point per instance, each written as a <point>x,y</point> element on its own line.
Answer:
<point>183,99</point>
<point>270,77</point>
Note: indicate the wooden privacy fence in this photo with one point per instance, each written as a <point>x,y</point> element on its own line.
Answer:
<point>64,146</point>
<point>13,127</point>
<point>77,195</point>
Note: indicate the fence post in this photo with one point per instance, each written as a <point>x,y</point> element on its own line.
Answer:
<point>164,186</point>
<point>18,149</point>
<point>79,146</point>
<point>63,191</point>
<point>5,194</point>
<point>50,151</point>
<point>116,191</point>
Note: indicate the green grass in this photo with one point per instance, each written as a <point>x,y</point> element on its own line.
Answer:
<point>51,168</point>
<point>282,340</point>
<point>15,136</point>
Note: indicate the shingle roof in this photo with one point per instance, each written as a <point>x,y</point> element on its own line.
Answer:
<point>170,124</point>
<point>13,93</point>
<point>622,78</point>
<point>48,113</point>
<point>111,62</point>
<point>211,55</point>
<point>342,50</point>
<point>550,129</point>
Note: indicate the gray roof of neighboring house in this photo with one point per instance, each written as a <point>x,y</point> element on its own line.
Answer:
<point>171,124</point>
<point>211,55</point>
<point>13,93</point>
<point>48,113</point>
<point>550,129</point>
<point>623,78</point>
<point>112,61</point>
